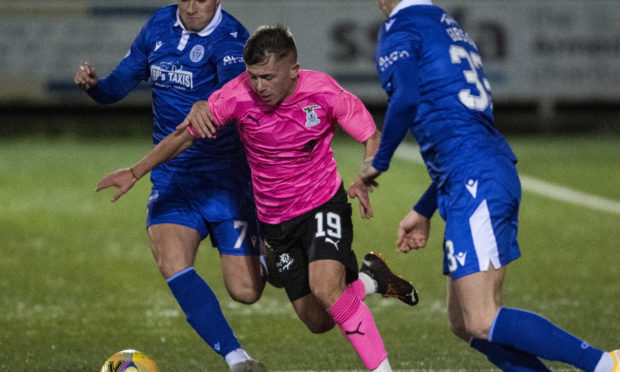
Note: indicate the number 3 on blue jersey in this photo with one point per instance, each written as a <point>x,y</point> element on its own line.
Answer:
<point>473,102</point>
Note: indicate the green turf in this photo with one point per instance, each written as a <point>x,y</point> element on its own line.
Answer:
<point>79,282</point>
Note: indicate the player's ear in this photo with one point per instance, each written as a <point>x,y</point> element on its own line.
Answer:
<point>294,70</point>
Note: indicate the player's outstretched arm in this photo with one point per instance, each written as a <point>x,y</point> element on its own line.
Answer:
<point>85,76</point>
<point>124,179</point>
<point>413,231</point>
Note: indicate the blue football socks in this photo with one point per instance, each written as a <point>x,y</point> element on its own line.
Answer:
<point>533,334</point>
<point>508,358</point>
<point>202,310</point>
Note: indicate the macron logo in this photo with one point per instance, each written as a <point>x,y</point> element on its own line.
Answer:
<point>461,258</point>
<point>472,187</point>
<point>389,23</point>
<point>158,45</point>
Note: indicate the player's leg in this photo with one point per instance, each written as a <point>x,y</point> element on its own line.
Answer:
<point>174,248</point>
<point>333,279</point>
<point>238,243</point>
<point>354,319</point>
<point>465,324</point>
<point>243,277</point>
<point>313,314</point>
<point>175,230</point>
<point>480,241</point>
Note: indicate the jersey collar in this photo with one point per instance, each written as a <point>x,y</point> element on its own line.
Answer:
<point>407,3</point>
<point>217,19</point>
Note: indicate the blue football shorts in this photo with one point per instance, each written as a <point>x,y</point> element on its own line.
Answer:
<point>480,204</point>
<point>219,204</point>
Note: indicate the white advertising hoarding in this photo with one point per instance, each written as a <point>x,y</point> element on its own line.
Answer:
<point>532,49</point>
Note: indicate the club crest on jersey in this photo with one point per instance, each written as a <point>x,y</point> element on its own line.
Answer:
<point>196,54</point>
<point>311,117</point>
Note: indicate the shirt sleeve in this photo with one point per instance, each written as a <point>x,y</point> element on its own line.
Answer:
<point>353,117</point>
<point>126,76</point>
<point>427,204</point>
<point>220,108</point>
<point>228,58</point>
<point>400,79</point>
<point>219,111</point>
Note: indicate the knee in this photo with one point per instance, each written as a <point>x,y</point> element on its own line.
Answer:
<point>245,293</point>
<point>479,329</point>
<point>476,327</point>
<point>318,326</point>
<point>326,293</point>
<point>459,330</point>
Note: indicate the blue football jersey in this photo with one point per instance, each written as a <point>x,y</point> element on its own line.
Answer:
<point>427,63</point>
<point>183,67</point>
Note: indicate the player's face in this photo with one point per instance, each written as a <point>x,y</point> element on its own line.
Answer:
<point>196,14</point>
<point>274,80</point>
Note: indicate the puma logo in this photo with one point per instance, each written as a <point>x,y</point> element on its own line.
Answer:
<point>357,331</point>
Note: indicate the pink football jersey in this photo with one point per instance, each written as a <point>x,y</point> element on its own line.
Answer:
<point>289,146</point>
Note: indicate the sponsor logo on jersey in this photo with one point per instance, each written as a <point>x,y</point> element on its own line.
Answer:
<point>311,117</point>
<point>158,45</point>
<point>196,54</point>
<point>169,74</point>
<point>388,60</point>
<point>231,60</point>
<point>447,19</point>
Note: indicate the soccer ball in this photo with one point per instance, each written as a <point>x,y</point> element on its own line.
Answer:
<point>129,361</point>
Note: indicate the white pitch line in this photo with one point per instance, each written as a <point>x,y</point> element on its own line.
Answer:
<point>412,153</point>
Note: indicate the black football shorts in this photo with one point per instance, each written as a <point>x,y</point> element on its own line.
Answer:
<point>324,233</point>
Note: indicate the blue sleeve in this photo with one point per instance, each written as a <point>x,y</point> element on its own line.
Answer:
<point>229,59</point>
<point>401,111</point>
<point>427,204</point>
<point>126,76</point>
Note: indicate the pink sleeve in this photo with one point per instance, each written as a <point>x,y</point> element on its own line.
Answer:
<point>191,131</point>
<point>217,107</point>
<point>353,116</point>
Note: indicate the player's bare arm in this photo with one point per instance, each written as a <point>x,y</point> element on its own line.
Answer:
<point>359,189</point>
<point>85,76</point>
<point>201,120</point>
<point>413,232</point>
<point>124,179</point>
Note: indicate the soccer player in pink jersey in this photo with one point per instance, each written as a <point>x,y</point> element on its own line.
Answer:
<point>286,119</point>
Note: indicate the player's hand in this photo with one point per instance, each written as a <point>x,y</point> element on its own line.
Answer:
<point>413,232</point>
<point>201,120</point>
<point>122,179</point>
<point>360,191</point>
<point>368,174</point>
<point>85,76</point>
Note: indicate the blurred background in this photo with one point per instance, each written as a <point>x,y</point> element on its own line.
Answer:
<point>553,65</point>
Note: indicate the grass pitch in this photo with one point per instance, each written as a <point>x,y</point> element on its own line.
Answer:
<point>78,281</point>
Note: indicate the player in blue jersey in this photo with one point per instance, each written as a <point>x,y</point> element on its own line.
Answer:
<point>433,74</point>
<point>189,50</point>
